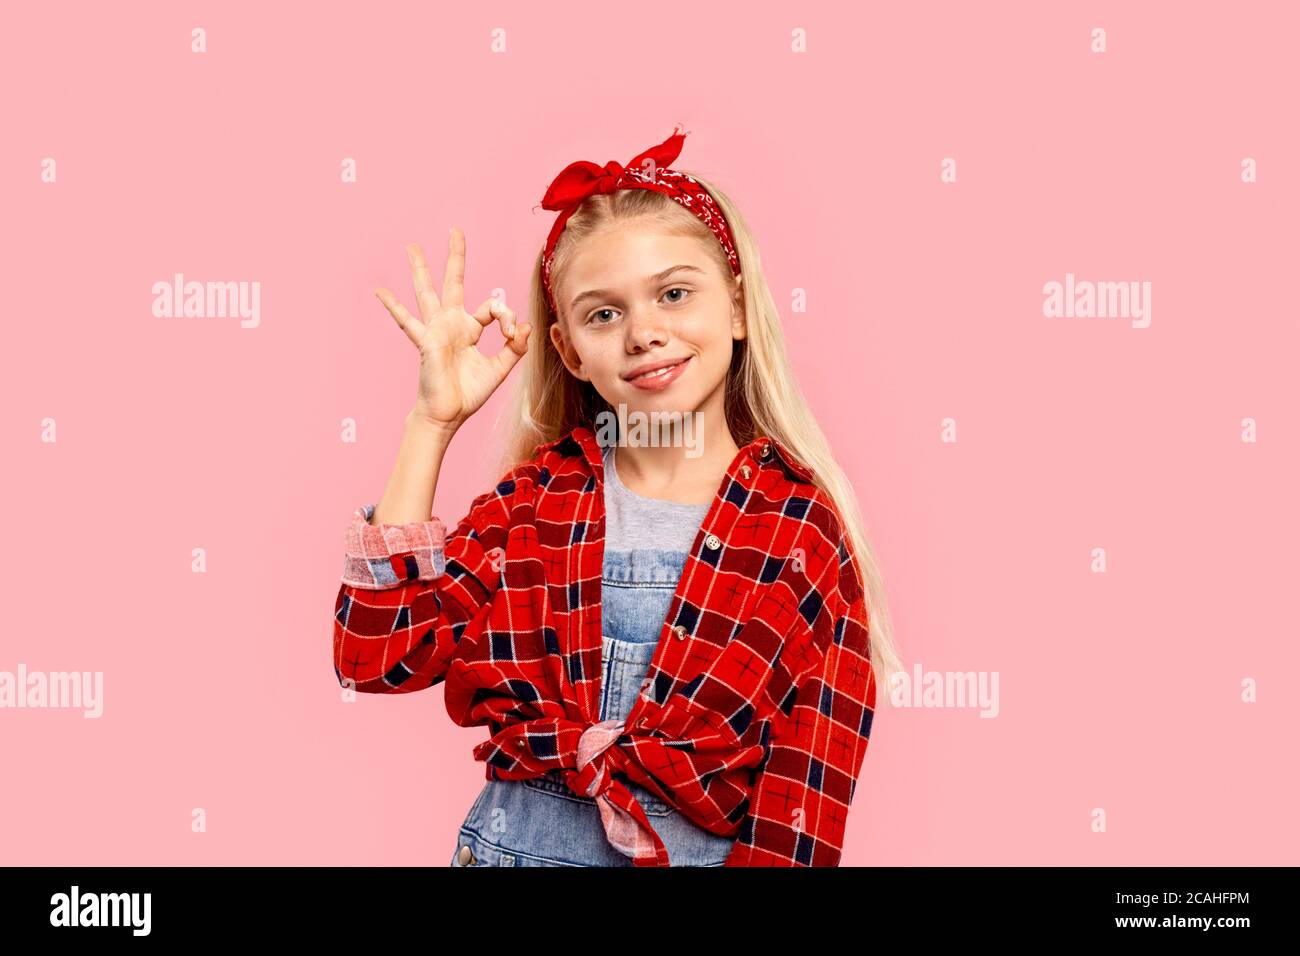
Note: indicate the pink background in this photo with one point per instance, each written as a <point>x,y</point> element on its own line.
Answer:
<point>1119,690</point>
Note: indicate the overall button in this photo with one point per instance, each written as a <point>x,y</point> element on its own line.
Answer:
<point>713,542</point>
<point>467,857</point>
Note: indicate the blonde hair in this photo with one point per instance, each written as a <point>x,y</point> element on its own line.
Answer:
<point>762,395</point>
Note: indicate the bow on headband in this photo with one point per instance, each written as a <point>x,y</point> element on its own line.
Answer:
<point>647,170</point>
<point>582,179</point>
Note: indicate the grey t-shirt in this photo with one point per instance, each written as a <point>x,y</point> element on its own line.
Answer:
<point>634,522</point>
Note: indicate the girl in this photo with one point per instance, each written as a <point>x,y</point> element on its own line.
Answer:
<point>664,628</point>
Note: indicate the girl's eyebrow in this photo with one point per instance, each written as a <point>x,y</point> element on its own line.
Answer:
<point>651,280</point>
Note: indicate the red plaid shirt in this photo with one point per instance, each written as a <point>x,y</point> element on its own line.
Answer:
<point>760,695</point>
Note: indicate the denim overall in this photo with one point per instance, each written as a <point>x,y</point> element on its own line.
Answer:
<point>541,822</point>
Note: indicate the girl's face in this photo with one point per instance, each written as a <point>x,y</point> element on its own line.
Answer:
<point>634,300</point>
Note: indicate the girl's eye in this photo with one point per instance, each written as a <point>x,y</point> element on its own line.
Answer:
<point>594,318</point>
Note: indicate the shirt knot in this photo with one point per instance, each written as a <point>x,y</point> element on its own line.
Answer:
<point>627,827</point>
<point>594,776</point>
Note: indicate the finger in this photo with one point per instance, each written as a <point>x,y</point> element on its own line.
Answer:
<point>485,315</point>
<point>512,351</point>
<point>412,326</point>
<point>424,294</point>
<point>453,279</point>
<point>505,316</point>
<point>484,312</point>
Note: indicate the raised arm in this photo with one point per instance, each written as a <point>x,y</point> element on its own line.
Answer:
<point>409,590</point>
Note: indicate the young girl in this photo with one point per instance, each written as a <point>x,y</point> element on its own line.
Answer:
<point>664,627</point>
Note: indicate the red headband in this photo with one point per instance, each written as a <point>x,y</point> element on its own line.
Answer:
<point>647,170</point>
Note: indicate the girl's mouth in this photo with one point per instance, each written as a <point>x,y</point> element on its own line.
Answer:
<point>660,378</point>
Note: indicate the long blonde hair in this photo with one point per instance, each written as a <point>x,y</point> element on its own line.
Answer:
<point>762,395</point>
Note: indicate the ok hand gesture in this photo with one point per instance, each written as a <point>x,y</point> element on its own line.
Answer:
<point>455,377</point>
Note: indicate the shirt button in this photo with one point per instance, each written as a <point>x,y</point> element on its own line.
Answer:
<point>467,856</point>
<point>521,744</point>
<point>678,631</point>
<point>744,471</point>
<point>765,450</point>
<point>713,542</point>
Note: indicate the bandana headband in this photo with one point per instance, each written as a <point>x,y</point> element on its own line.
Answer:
<point>647,170</point>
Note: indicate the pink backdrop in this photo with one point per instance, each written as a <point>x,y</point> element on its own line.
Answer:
<point>1120,691</point>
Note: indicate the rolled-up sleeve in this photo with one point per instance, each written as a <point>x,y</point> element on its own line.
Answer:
<point>410,591</point>
<point>385,555</point>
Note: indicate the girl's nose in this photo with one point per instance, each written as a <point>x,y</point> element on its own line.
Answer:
<point>645,329</point>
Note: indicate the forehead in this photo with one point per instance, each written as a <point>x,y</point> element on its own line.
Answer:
<point>626,255</point>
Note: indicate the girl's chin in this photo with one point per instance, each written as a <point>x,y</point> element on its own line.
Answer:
<point>641,405</point>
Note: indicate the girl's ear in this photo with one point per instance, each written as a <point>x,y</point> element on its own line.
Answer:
<point>568,355</point>
<point>738,326</point>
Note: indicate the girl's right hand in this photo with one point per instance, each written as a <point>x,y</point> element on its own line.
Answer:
<point>455,377</point>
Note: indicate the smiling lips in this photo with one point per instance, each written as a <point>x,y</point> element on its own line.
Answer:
<point>659,376</point>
